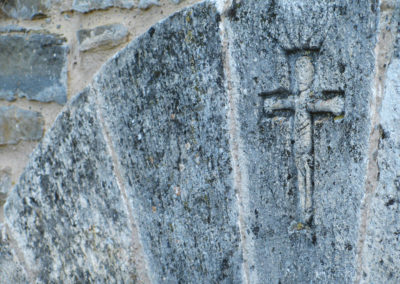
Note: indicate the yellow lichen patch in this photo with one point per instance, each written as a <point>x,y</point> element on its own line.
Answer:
<point>299,226</point>
<point>339,117</point>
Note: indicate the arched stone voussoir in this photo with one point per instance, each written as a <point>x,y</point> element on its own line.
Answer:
<point>66,214</point>
<point>134,180</point>
<point>165,107</point>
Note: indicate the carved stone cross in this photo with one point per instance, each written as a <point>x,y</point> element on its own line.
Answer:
<point>303,103</point>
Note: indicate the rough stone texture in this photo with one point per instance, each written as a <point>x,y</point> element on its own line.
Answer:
<point>72,205</point>
<point>85,6</point>
<point>243,146</point>
<point>383,235</point>
<point>26,9</point>
<point>5,184</point>
<point>11,270</point>
<point>307,164</point>
<point>19,124</point>
<point>145,4</point>
<point>102,36</point>
<point>33,66</point>
<point>165,106</point>
<point>381,249</point>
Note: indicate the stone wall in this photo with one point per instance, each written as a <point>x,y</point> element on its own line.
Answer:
<point>49,51</point>
<point>233,142</point>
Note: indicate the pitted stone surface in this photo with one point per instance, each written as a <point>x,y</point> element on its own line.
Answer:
<point>26,9</point>
<point>165,106</point>
<point>288,247</point>
<point>33,66</point>
<point>18,124</point>
<point>72,205</point>
<point>5,184</point>
<point>273,100</point>
<point>102,36</point>
<point>85,6</point>
<point>382,248</point>
<point>11,271</point>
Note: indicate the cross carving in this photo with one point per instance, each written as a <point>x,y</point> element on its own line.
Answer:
<point>302,102</point>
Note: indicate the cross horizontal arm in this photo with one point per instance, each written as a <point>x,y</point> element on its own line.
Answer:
<point>334,105</point>
<point>274,104</point>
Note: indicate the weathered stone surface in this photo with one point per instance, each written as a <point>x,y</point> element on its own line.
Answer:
<point>145,4</point>
<point>164,102</point>
<point>102,36</point>
<point>11,270</point>
<point>381,251</point>
<point>19,124</point>
<point>72,205</point>
<point>303,111</point>
<point>85,6</point>
<point>241,145</point>
<point>33,66</point>
<point>26,9</point>
<point>12,28</point>
<point>5,184</point>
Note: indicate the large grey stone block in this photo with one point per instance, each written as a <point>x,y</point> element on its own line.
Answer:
<point>165,106</point>
<point>26,9</point>
<point>72,205</point>
<point>18,124</point>
<point>33,66</point>
<point>101,36</point>
<point>304,85</point>
<point>85,6</point>
<point>11,270</point>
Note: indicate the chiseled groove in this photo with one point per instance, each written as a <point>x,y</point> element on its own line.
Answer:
<point>32,276</point>
<point>139,257</point>
<point>240,179</point>
<point>383,54</point>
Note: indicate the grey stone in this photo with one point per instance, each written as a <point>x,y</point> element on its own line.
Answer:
<point>11,270</point>
<point>33,66</point>
<point>381,251</point>
<point>72,205</point>
<point>12,28</point>
<point>256,146</point>
<point>304,126</point>
<point>165,106</point>
<point>18,124</point>
<point>146,4</point>
<point>85,6</point>
<point>26,9</point>
<point>5,184</point>
<point>102,36</point>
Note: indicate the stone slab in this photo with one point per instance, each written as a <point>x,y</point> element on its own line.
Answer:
<point>26,9</point>
<point>101,36</point>
<point>85,6</point>
<point>33,66</point>
<point>307,156</point>
<point>381,251</point>
<point>11,270</point>
<point>18,124</point>
<point>164,103</point>
<point>146,4</point>
<point>5,184</point>
<point>69,199</point>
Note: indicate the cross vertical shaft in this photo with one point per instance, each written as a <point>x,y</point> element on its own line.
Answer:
<point>303,104</point>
